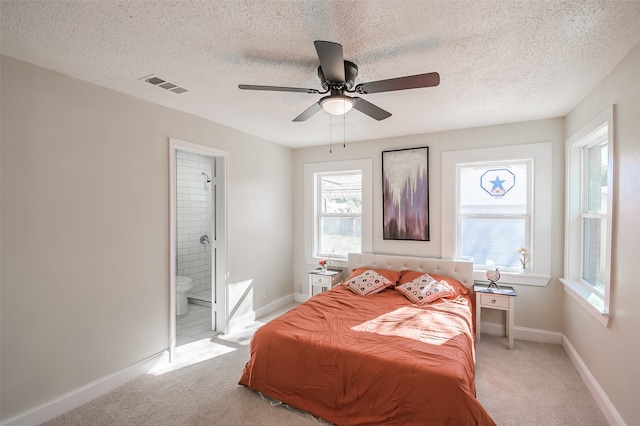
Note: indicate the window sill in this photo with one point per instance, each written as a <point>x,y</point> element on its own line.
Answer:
<point>588,299</point>
<point>514,278</point>
<point>334,263</point>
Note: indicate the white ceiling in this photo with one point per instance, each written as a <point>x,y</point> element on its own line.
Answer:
<point>499,61</point>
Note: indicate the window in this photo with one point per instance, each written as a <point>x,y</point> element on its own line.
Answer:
<point>495,200</point>
<point>493,215</point>
<point>337,210</point>
<point>339,213</point>
<point>594,210</point>
<point>588,216</point>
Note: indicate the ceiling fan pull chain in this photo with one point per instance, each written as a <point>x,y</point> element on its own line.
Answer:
<point>344,131</point>
<point>330,133</point>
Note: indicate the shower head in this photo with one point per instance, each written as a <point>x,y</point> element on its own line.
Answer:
<point>207,177</point>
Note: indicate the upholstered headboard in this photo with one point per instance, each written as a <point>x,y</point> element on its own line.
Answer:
<point>458,269</point>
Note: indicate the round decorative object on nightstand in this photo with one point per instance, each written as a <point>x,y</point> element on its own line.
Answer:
<point>493,276</point>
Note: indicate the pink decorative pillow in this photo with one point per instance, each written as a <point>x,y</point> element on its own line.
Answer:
<point>459,288</point>
<point>368,282</point>
<point>392,276</point>
<point>424,290</point>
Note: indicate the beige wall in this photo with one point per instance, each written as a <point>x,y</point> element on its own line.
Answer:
<point>536,307</point>
<point>85,232</point>
<point>613,354</point>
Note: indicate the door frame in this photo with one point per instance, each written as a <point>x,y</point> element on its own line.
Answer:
<point>221,253</point>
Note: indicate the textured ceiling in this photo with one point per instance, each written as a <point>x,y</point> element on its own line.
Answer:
<point>499,61</point>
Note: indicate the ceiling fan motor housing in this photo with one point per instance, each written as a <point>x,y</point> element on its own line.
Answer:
<point>350,74</point>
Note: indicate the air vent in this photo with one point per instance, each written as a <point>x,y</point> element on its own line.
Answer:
<point>157,81</point>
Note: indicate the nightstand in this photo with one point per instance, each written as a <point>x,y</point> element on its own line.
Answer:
<point>324,279</point>
<point>502,299</point>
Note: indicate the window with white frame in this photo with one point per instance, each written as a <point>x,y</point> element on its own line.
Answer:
<point>494,213</point>
<point>588,216</point>
<point>337,209</point>
<point>338,213</point>
<point>594,210</point>
<point>495,201</point>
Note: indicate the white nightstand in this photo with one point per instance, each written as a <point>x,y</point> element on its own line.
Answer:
<point>502,299</point>
<point>324,279</point>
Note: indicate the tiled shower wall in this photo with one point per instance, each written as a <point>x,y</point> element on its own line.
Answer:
<point>194,217</point>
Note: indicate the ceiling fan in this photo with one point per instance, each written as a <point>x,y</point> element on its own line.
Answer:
<point>337,77</point>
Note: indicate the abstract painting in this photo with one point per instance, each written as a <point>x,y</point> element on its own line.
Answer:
<point>405,194</point>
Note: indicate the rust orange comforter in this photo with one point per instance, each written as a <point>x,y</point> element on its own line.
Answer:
<point>365,360</point>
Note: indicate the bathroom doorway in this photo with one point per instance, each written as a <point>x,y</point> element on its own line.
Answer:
<point>197,239</point>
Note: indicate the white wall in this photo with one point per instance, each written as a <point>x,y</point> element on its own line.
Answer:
<point>536,307</point>
<point>85,229</point>
<point>613,354</point>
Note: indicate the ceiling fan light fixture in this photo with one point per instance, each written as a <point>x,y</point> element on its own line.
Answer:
<point>337,104</point>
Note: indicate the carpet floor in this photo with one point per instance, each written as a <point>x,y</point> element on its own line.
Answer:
<point>533,384</point>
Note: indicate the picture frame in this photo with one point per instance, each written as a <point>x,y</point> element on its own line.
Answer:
<point>405,194</point>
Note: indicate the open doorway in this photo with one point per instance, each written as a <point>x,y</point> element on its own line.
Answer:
<point>197,242</point>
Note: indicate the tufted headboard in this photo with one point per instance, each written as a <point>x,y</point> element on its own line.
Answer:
<point>459,269</point>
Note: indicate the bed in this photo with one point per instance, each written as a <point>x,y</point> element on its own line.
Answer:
<point>376,359</point>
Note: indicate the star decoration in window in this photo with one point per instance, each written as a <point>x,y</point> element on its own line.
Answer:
<point>498,187</point>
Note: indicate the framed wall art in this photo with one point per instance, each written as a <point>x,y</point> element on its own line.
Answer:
<point>405,194</point>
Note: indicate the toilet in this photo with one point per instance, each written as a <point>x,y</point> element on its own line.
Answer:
<point>183,285</point>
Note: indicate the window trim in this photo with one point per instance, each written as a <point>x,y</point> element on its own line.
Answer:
<point>310,196</point>
<point>588,296</point>
<point>540,153</point>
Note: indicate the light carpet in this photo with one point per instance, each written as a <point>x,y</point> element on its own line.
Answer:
<point>533,384</point>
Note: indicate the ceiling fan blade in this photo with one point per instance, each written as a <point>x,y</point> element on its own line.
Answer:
<point>308,112</point>
<point>277,88</point>
<point>331,60</point>
<point>370,109</point>
<point>401,83</point>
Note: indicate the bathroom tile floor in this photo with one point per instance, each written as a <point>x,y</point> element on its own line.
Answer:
<point>195,325</point>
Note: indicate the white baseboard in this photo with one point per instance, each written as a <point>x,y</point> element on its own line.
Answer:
<point>299,297</point>
<point>523,333</point>
<point>243,320</point>
<point>493,329</point>
<point>605,405</point>
<point>80,396</point>
<point>537,335</point>
<point>246,319</point>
